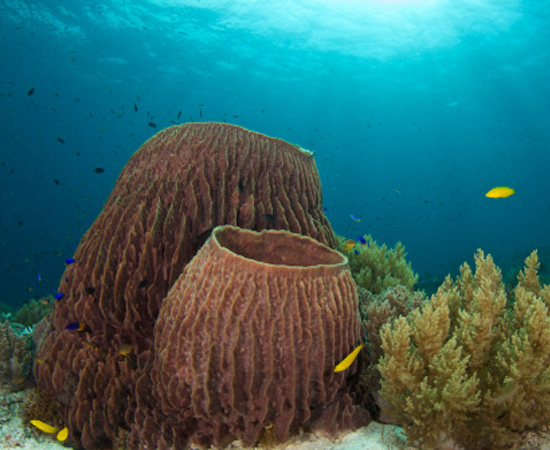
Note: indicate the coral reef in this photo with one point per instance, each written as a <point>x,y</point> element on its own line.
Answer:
<point>33,311</point>
<point>376,311</point>
<point>174,190</point>
<point>247,341</point>
<point>15,357</point>
<point>377,268</point>
<point>40,406</point>
<point>471,368</point>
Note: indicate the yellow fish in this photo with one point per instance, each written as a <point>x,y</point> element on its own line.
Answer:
<point>349,244</point>
<point>500,192</point>
<point>125,350</point>
<point>63,434</point>
<point>348,360</point>
<point>44,427</point>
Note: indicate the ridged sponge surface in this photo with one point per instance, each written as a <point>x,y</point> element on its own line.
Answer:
<point>248,338</point>
<point>174,190</point>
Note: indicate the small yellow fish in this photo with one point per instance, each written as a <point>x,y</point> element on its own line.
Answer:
<point>63,434</point>
<point>349,244</point>
<point>348,360</point>
<point>39,360</point>
<point>44,427</point>
<point>125,350</point>
<point>500,192</point>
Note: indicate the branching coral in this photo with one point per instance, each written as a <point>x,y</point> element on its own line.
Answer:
<point>377,310</point>
<point>470,369</point>
<point>376,268</point>
<point>15,356</point>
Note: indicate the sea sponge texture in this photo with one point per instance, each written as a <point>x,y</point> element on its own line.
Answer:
<point>247,341</point>
<point>175,189</point>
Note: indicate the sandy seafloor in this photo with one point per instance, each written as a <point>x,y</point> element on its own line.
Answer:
<point>14,434</point>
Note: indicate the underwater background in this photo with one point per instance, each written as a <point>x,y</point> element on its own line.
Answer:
<point>414,109</point>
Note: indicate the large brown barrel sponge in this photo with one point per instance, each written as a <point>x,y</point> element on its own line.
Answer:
<point>180,184</point>
<point>247,340</point>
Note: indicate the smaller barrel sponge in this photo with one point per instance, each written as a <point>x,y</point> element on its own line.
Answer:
<point>247,340</point>
<point>471,368</point>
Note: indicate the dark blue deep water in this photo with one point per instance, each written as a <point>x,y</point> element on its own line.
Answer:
<point>415,109</point>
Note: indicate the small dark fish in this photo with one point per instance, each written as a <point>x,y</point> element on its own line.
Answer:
<point>60,140</point>
<point>75,326</point>
<point>90,290</point>
<point>152,124</point>
<point>56,181</point>
<point>30,91</point>
<point>356,251</point>
<point>99,170</point>
<point>142,283</point>
<point>361,239</point>
<point>270,218</point>
<point>20,223</point>
<point>179,115</point>
<point>240,186</point>
<point>69,261</point>
<point>135,108</point>
<point>325,208</point>
<point>201,238</point>
<point>59,295</point>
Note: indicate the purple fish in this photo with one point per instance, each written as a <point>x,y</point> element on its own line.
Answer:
<point>69,261</point>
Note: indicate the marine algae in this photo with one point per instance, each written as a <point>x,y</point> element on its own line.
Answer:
<point>470,368</point>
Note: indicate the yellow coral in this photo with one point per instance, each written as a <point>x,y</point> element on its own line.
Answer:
<point>470,368</point>
<point>377,268</point>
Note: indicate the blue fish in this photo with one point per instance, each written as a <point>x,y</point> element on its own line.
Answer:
<point>355,218</point>
<point>59,295</point>
<point>69,261</point>
<point>357,251</point>
<point>361,239</point>
<point>39,277</point>
<point>75,326</point>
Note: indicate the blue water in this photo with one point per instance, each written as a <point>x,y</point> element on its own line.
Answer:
<point>415,109</point>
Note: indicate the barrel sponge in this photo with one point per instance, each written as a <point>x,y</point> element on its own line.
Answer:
<point>248,337</point>
<point>178,186</point>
